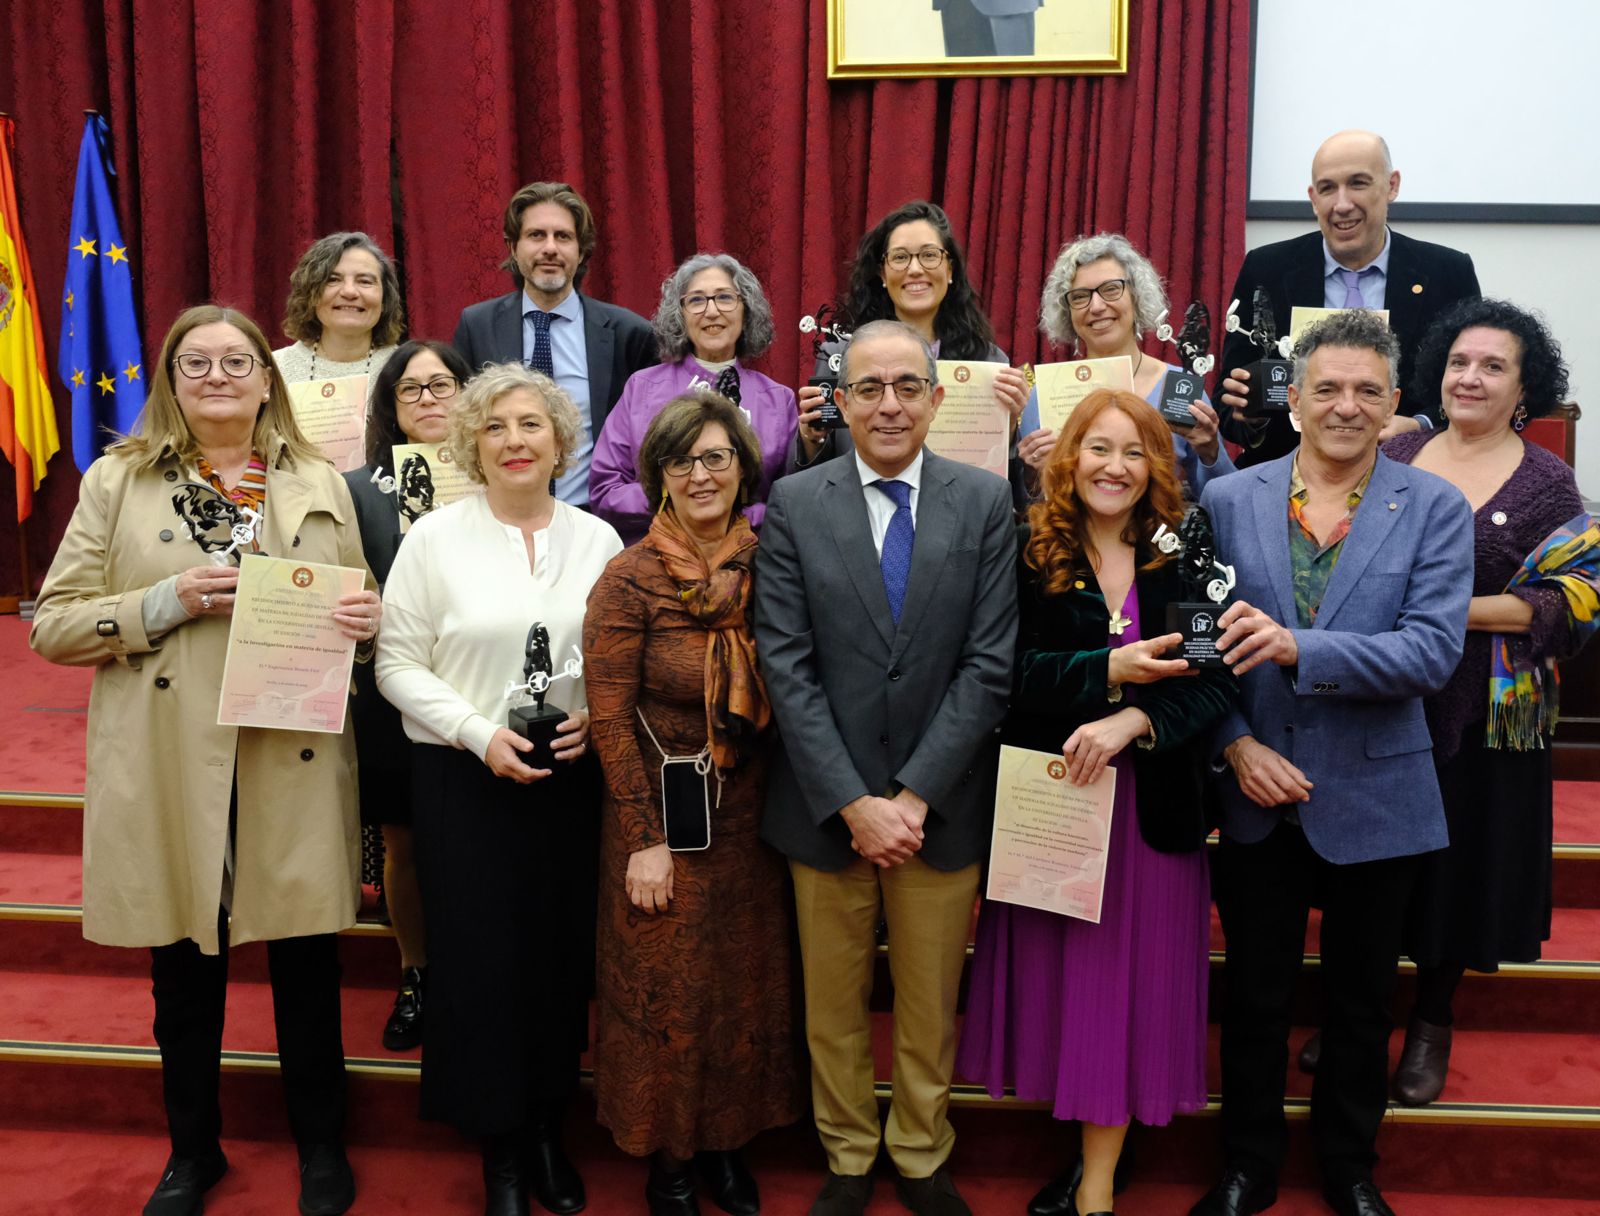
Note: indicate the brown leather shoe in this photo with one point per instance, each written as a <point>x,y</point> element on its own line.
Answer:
<point>843,1195</point>
<point>1424,1063</point>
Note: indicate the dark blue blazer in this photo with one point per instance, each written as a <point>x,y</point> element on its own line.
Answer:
<point>1389,632</point>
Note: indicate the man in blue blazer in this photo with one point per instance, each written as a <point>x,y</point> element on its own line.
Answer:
<point>1354,573</point>
<point>587,346</point>
<point>886,621</point>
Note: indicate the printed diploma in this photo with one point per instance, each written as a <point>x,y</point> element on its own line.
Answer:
<point>1048,850</point>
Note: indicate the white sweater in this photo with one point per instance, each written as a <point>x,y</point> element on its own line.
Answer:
<point>457,608</point>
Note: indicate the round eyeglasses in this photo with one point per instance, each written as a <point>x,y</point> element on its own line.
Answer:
<point>197,366</point>
<point>931,257</point>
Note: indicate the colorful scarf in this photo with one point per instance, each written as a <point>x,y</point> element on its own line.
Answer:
<point>1523,707</point>
<point>716,594</point>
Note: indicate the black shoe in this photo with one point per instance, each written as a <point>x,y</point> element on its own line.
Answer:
<point>1058,1197</point>
<point>730,1183</point>
<point>403,1030</point>
<point>556,1184</point>
<point>1237,1194</point>
<point>1424,1063</point>
<point>935,1195</point>
<point>1358,1199</point>
<point>1311,1053</point>
<point>670,1192</point>
<point>327,1187</point>
<point>505,1191</point>
<point>843,1195</point>
<point>183,1183</point>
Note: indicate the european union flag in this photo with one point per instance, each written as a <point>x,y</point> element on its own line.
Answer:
<point>100,360</point>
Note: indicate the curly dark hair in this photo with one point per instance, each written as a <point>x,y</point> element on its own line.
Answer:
<point>962,328</point>
<point>383,423</point>
<point>310,276</point>
<point>1056,543</point>
<point>1544,371</point>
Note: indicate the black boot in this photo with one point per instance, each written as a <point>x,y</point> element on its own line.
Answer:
<point>670,1188</point>
<point>554,1181</point>
<point>403,1030</point>
<point>505,1191</point>
<point>732,1187</point>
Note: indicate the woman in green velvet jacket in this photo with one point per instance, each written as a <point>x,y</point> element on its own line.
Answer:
<point>1106,1021</point>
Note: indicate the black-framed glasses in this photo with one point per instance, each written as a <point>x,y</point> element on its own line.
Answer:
<point>726,301</point>
<point>907,389</point>
<point>1110,291</point>
<point>716,460</point>
<point>442,388</point>
<point>931,257</point>
<point>197,366</point>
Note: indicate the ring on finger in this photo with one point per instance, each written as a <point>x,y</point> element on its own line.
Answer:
<point>205,602</point>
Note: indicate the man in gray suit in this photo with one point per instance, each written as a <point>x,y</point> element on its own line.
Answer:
<point>886,616</point>
<point>987,27</point>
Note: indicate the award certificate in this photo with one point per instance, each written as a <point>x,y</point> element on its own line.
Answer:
<point>1048,850</point>
<point>1062,385</point>
<point>333,415</point>
<point>971,426</point>
<point>427,477</point>
<point>1302,318</point>
<point>288,666</point>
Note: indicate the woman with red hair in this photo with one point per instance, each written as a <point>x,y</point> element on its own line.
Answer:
<point>1105,1021</point>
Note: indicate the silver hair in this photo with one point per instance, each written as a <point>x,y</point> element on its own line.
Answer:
<point>1353,329</point>
<point>672,334</point>
<point>1149,296</point>
<point>470,412</point>
<point>888,329</point>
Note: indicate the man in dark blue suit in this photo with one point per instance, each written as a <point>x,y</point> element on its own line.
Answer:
<point>587,346</point>
<point>1354,573</point>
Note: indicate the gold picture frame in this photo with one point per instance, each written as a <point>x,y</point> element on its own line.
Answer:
<point>872,39</point>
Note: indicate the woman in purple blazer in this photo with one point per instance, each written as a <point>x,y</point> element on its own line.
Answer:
<point>713,316</point>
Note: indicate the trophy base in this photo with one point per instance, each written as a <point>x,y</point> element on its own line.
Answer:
<point>539,726</point>
<point>1197,622</point>
<point>1177,393</point>
<point>1269,386</point>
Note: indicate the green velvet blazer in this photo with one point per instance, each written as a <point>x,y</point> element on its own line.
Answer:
<point>1063,648</point>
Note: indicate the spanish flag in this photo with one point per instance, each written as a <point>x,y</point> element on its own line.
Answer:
<point>27,415</point>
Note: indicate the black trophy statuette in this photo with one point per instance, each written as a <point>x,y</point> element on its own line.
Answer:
<point>822,333</point>
<point>1187,385</point>
<point>1270,375</point>
<point>538,723</point>
<point>416,487</point>
<point>215,522</point>
<point>1203,586</point>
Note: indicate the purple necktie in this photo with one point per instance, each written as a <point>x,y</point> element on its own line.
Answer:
<point>1352,287</point>
<point>542,361</point>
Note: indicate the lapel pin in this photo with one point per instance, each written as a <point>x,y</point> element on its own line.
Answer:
<point>1499,519</point>
<point>1394,506</point>
<point>1416,289</point>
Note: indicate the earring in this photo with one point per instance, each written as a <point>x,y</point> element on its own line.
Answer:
<point>1519,419</point>
<point>744,495</point>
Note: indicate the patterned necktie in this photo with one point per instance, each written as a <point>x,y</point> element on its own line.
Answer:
<point>897,541</point>
<point>1352,287</point>
<point>542,361</point>
<point>728,383</point>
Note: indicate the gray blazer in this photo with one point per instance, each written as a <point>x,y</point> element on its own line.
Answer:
<point>864,707</point>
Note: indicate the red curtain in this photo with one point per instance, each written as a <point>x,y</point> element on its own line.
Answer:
<point>242,132</point>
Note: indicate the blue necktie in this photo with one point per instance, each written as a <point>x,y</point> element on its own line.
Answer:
<point>896,559</point>
<point>1352,286</point>
<point>542,361</point>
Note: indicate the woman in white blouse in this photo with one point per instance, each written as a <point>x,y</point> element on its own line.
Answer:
<point>505,851</point>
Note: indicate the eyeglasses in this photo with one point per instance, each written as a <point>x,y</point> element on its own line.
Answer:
<point>726,301</point>
<point>906,390</point>
<point>715,460</point>
<point>196,367</point>
<point>1109,291</point>
<point>441,387</point>
<point>931,257</point>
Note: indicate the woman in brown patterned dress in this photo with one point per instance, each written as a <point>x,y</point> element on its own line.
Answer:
<point>694,1050</point>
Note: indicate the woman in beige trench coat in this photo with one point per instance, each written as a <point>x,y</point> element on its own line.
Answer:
<point>197,834</point>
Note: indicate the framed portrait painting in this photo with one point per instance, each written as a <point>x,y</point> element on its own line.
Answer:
<point>876,38</point>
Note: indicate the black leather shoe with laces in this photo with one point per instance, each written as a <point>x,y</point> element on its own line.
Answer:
<point>183,1185</point>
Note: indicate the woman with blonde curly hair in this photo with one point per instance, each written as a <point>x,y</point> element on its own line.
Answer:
<point>1105,1021</point>
<point>505,843</point>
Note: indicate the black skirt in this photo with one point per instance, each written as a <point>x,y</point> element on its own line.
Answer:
<point>383,753</point>
<point>508,876</point>
<point>1485,900</point>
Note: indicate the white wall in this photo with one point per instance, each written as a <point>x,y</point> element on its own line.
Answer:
<point>1550,268</point>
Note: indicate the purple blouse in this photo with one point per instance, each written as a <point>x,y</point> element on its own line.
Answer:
<point>615,494</point>
<point>1539,496</point>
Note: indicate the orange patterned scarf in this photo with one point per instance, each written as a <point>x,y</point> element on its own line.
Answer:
<point>717,595</point>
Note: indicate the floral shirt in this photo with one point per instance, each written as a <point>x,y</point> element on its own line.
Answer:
<point>1311,561</point>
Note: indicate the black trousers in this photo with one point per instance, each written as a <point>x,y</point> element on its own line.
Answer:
<point>190,990</point>
<point>969,32</point>
<point>1264,892</point>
